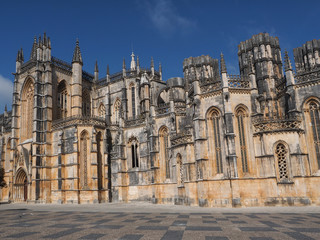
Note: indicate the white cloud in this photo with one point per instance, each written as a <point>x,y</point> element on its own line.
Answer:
<point>6,90</point>
<point>165,17</point>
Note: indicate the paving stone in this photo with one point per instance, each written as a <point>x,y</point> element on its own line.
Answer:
<point>131,237</point>
<point>203,228</point>
<point>239,222</point>
<point>314,230</point>
<point>257,229</point>
<point>209,221</point>
<point>179,223</point>
<point>173,235</point>
<point>63,233</point>
<point>261,238</point>
<point>21,235</point>
<point>270,224</point>
<point>299,236</point>
<point>183,216</point>
<point>93,236</point>
<point>152,228</point>
<point>108,226</point>
<point>216,238</point>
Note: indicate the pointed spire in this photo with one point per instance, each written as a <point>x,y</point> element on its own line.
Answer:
<point>124,64</point>
<point>133,62</point>
<point>287,62</point>
<point>77,58</point>
<point>160,67</point>
<point>21,55</point>
<point>96,67</point>
<point>138,62</point>
<point>5,108</point>
<point>33,54</point>
<point>223,67</point>
<point>152,63</point>
<point>18,56</point>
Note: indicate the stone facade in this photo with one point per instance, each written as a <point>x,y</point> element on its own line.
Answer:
<point>208,139</point>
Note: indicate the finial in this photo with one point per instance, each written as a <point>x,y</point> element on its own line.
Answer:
<point>49,43</point>
<point>223,67</point>
<point>160,67</point>
<point>108,71</point>
<point>152,63</point>
<point>77,54</point>
<point>96,67</point>
<point>33,54</point>
<point>287,62</point>
<point>138,62</point>
<point>5,108</point>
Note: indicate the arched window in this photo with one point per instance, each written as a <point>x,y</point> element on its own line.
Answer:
<point>241,120</point>
<point>133,149</point>
<point>27,110</point>
<point>180,173</point>
<point>117,110</point>
<point>133,101</point>
<point>62,100</point>
<point>213,123</point>
<point>281,153</point>
<point>315,125</point>
<point>164,149</point>
<point>102,111</point>
<point>86,103</point>
<point>84,137</point>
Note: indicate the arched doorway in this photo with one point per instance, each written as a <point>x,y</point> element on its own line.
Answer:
<point>21,186</point>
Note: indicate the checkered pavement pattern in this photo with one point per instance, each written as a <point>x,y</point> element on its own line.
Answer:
<point>28,224</point>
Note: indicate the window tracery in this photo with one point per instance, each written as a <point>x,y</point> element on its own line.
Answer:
<point>86,103</point>
<point>102,111</point>
<point>62,100</point>
<point>27,110</point>
<point>164,148</point>
<point>281,155</point>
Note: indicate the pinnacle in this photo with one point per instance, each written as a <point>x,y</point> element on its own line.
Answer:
<point>77,54</point>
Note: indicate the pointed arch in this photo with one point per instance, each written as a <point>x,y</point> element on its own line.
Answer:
<point>213,120</point>
<point>133,152</point>
<point>83,165</point>
<point>21,185</point>
<point>27,104</point>
<point>116,110</point>
<point>62,100</point>
<point>281,153</point>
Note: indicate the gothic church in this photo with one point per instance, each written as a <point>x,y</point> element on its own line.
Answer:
<point>207,139</point>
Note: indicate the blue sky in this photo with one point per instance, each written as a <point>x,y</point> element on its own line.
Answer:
<point>167,30</point>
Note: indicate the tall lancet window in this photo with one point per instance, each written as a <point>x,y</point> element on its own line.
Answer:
<point>86,103</point>
<point>164,150</point>
<point>62,100</point>
<point>213,125</point>
<point>241,119</point>
<point>27,110</point>
<point>315,124</point>
<point>133,101</point>
<point>83,165</point>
